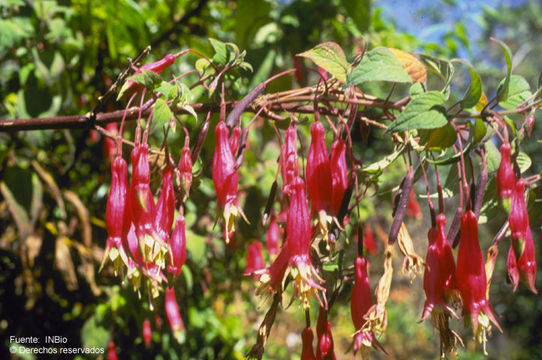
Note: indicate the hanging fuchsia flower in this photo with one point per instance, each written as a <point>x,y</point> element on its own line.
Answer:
<point>339,176</point>
<point>234,139</point>
<point>471,274</point>
<point>185,169</point>
<point>164,211</point>
<point>173,314</point>
<point>439,276</point>
<point>225,179</point>
<point>519,218</point>
<point>369,240</point>
<point>142,200</point>
<point>506,177</point>
<point>111,351</point>
<point>272,277</point>
<point>147,333</point>
<point>413,207</point>
<point>289,164</point>
<point>298,233</point>
<point>525,267</point>
<point>318,170</point>
<point>360,303</point>
<point>307,353</point>
<point>114,214</point>
<point>177,247</point>
<point>272,237</point>
<point>254,260</point>
<point>325,347</point>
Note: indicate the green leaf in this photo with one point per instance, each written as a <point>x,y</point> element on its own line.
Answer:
<point>442,67</point>
<point>502,90</point>
<point>330,57</point>
<point>524,161</point>
<point>221,51</point>
<point>424,112</point>
<point>360,12</point>
<point>147,78</point>
<point>518,92</point>
<point>94,334</point>
<point>441,138</point>
<point>480,130</point>
<point>162,113</point>
<point>474,92</point>
<point>379,64</point>
<point>416,89</point>
<point>380,165</point>
<point>168,90</point>
<point>493,158</point>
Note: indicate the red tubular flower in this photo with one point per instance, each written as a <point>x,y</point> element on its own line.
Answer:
<point>111,351</point>
<point>234,140</point>
<point>289,164</point>
<point>369,240</point>
<point>506,177</point>
<point>254,260</point>
<point>307,353</point>
<point>225,179</point>
<point>172,312</point>
<point>298,230</point>
<point>114,214</point>
<point>110,148</point>
<point>272,277</point>
<point>165,208</point>
<point>142,200</point>
<point>519,218</point>
<point>413,207</point>
<point>525,268</point>
<point>185,168</point>
<point>177,247</point>
<point>439,275</point>
<point>360,303</point>
<point>318,170</point>
<point>147,333</point>
<point>325,347</point>
<point>471,274</point>
<point>272,237</point>
<point>339,176</point>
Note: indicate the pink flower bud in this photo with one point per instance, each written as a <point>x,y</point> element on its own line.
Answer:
<point>307,353</point>
<point>164,211</point>
<point>273,237</point>
<point>413,207</point>
<point>369,240</point>
<point>289,164</point>
<point>111,351</point>
<point>506,177</point>
<point>339,176</point>
<point>254,260</point>
<point>225,179</point>
<point>519,218</point>
<point>325,348</point>
<point>318,170</point>
<point>115,212</point>
<point>361,302</point>
<point>439,275</point>
<point>147,333</point>
<point>471,273</point>
<point>172,311</point>
<point>525,268</point>
<point>234,139</point>
<point>177,245</point>
<point>185,168</point>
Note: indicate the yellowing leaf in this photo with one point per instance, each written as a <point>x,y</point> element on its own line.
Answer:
<point>415,69</point>
<point>330,57</point>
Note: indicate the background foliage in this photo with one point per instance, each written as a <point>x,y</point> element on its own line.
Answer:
<point>57,57</point>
